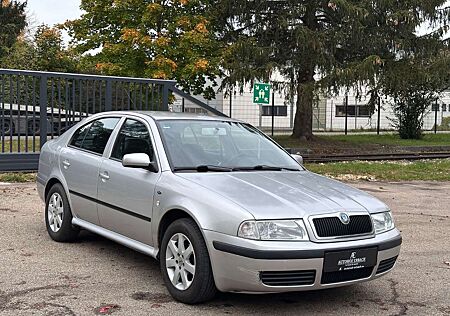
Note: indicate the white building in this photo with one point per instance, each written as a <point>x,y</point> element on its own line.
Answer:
<point>328,113</point>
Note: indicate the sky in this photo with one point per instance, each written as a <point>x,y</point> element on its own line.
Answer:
<point>53,11</point>
<point>58,11</point>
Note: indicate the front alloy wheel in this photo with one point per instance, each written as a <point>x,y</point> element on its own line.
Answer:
<point>185,264</point>
<point>180,261</point>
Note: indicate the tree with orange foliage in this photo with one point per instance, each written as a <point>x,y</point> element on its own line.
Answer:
<point>152,39</point>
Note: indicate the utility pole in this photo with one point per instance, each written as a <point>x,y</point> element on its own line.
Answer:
<point>346,113</point>
<point>273,111</point>
<point>379,115</point>
<point>231,101</point>
<point>436,109</point>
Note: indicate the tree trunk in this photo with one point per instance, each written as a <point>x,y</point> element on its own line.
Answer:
<point>303,116</point>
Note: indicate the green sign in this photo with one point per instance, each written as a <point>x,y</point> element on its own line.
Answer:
<point>261,93</point>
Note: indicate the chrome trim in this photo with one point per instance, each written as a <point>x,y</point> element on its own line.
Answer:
<point>371,234</point>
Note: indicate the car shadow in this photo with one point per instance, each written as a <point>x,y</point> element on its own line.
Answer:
<point>116,252</point>
<point>321,301</point>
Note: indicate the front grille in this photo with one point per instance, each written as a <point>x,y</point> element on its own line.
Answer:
<point>342,276</point>
<point>333,227</point>
<point>386,265</point>
<point>288,278</point>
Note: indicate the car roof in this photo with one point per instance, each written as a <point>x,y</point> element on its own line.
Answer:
<point>167,115</point>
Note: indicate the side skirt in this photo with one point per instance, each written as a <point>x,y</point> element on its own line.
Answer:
<point>130,243</point>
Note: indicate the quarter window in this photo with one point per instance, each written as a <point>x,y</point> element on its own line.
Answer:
<point>133,138</point>
<point>94,136</point>
<point>79,135</point>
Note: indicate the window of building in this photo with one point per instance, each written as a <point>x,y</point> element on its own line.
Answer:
<point>195,110</point>
<point>444,107</point>
<point>360,110</point>
<point>435,107</point>
<point>279,110</point>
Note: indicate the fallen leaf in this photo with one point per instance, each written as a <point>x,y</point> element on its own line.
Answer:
<point>106,309</point>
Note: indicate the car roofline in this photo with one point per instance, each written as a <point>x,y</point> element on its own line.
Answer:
<point>166,115</point>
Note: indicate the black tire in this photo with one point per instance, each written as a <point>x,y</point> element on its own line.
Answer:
<point>8,125</point>
<point>66,232</point>
<point>203,287</point>
<point>34,127</point>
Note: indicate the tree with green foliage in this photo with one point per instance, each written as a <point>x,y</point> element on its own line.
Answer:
<point>43,51</point>
<point>51,53</point>
<point>323,46</point>
<point>155,39</point>
<point>12,23</point>
<point>414,84</point>
<point>22,55</point>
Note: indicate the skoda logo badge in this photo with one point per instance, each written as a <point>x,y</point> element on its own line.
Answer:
<point>345,219</point>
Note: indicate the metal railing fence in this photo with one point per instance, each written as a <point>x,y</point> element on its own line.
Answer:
<point>37,106</point>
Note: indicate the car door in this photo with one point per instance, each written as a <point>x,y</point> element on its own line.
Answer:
<point>80,162</point>
<point>126,194</point>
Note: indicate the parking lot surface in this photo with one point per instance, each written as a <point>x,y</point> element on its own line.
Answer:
<point>97,276</point>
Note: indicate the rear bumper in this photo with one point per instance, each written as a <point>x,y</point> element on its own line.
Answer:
<point>40,185</point>
<point>237,263</point>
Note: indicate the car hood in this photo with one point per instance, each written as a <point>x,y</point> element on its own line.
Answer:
<point>275,195</point>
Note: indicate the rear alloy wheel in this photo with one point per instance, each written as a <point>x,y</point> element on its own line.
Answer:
<point>58,216</point>
<point>185,263</point>
<point>55,212</point>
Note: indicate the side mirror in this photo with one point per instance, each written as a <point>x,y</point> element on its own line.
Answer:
<point>298,158</point>
<point>139,160</point>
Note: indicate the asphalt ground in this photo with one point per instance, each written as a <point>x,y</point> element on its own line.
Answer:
<point>97,276</point>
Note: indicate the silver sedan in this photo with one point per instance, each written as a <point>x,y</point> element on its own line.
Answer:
<point>220,205</point>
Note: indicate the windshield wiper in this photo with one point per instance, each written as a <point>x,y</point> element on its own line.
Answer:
<point>264,167</point>
<point>203,168</point>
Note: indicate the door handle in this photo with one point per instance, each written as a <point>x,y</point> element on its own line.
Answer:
<point>66,164</point>
<point>104,176</point>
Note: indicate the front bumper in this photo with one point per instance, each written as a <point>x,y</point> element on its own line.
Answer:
<point>237,262</point>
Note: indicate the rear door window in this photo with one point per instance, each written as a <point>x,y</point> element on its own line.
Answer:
<point>94,136</point>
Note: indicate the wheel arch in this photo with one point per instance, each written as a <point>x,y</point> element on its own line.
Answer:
<point>51,182</point>
<point>168,218</point>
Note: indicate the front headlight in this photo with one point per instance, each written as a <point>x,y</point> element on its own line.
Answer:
<point>274,230</point>
<point>382,222</point>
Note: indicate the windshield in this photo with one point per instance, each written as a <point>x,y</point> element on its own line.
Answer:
<point>191,144</point>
